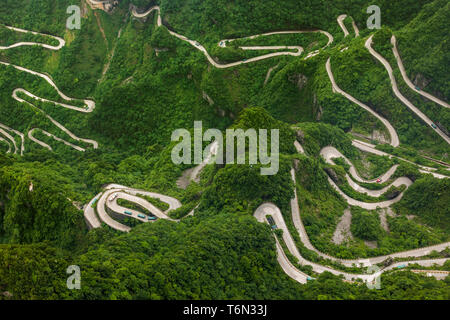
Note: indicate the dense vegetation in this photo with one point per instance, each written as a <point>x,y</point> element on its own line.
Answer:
<point>147,83</point>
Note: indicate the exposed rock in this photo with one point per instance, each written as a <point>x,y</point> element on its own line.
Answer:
<point>371,244</point>
<point>185,179</point>
<point>380,137</point>
<point>299,80</point>
<point>383,220</point>
<point>420,81</point>
<point>311,45</point>
<point>388,262</point>
<point>300,136</point>
<point>392,194</point>
<point>319,113</point>
<point>342,232</point>
<point>208,98</point>
<point>333,175</point>
<point>296,164</point>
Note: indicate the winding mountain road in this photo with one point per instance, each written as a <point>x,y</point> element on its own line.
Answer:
<point>340,20</point>
<point>271,209</point>
<point>397,92</point>
<point>48,134</point>
<point>89,104</point>
<point>294,273</point>
<point>61,41</point>
<point>408,81</point>
<point>329,153</point>
<point>222,43</point>
<point>103,202</point>
<point>367,147</point>
<point>4,128</point>
<point>56,123</point>
<point>395,142</point>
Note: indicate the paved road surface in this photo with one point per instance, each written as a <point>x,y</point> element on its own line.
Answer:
<point>222,43</point>
<point>402,98</point>
<point>61,41</point>
<point>270,209</point>
<point>90,215</point>
<point>48,134</point>
<point>4,128</point>
<point>89,104</point>
<point>56,123</point>
<point>394,137</point>
<point>406,79</point>
<point>367,147</point>
<point>329,153</point>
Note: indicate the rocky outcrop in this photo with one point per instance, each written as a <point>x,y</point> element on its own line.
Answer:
<point>300,136</point>
<point>333,175</point>
<point>299,80</point>
<point>420,81</point>
<point>392,194</point>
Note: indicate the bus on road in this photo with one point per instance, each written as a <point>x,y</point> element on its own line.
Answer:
<point>271,222</point>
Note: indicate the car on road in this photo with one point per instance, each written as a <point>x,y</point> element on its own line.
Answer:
<point>433,126</point>
<point>114,196</point>
<point>310,278</point>
<point>151,218</point>
<point>128,212</point>
<point>401,266</point>
<point>378,180</point>
<point>417,88</point>
<point>141,216</point>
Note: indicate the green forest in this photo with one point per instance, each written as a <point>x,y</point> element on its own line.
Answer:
<point>146,83</point>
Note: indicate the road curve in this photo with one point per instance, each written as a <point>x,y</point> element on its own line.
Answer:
<point>395,142</point>
<point>223,42</point>
<point>61,41</point>
<point>298,223</point>
<point>397,93</point>
<point>408,81</point>
<point>129,194</point>
<point>56,123</point>
<point>4,128</point>
<point>89,104</point>
<point>89,213</point>
<point>104,216</point>
<point>43,144</point>
<point>367,147</point>
<point>7,142</point>
<point>340,20</point>
<point>329,153</point>
<point>271,209</point>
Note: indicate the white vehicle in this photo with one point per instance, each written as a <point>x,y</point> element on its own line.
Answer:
<point>113,197</point>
